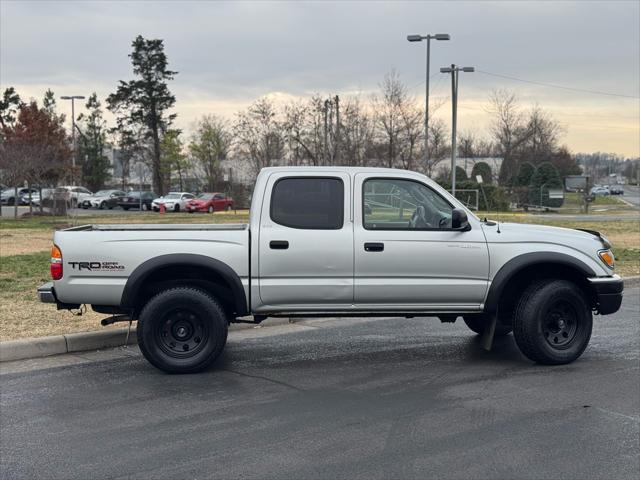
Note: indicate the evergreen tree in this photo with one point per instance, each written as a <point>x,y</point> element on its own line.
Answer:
<point>95,165</point>
<point>144,102</point>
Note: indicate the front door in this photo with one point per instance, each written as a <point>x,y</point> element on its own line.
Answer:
<point>406,254</point>
<point>306,242</point>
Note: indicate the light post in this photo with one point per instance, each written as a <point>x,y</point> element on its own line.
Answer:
<point>73,125</point>
<point>454,70</point>
<point>419,38</point>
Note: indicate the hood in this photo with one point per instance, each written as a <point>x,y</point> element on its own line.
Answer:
<point>584,240</point>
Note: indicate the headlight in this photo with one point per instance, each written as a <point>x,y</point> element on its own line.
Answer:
<point>607,257</point>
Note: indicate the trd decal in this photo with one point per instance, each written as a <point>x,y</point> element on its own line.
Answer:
<point>96,266</point>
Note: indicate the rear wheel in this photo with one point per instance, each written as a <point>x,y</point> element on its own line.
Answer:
<point>477,323</point>
<point>552,322</point>
<point>103,205</point>
<point>182,330</point>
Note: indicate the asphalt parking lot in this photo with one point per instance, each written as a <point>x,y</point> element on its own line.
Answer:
<point>337,398</point>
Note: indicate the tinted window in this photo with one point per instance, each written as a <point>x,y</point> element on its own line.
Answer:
<point>393,204</point>
<point>314,203</point>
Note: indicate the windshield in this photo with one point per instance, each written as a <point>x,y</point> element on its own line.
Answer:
<point>172,195</point>
<point>205,196</point>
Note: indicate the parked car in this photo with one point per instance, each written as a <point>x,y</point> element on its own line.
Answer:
<point>173,201</point>
<point>210,202</point>
<point>134,200</point>
<point>616,190</point>
<point>104,199</point>
<point>600,191</point>
<point>311,248</point>
<point>73,194</point>
<point>44,195</point>
<point>8,196</point>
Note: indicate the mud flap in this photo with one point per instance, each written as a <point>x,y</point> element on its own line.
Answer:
<point>489,333</point>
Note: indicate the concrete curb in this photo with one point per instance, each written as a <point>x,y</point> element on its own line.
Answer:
<point>115,337</point>
<point>84,341</point>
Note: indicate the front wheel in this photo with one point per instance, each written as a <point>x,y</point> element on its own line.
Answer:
<point>103,205</point>
<point>552,322</point>
<point>182,330</point>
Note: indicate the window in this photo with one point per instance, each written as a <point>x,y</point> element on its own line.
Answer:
<point>395,204</point>
<point>313,203</point>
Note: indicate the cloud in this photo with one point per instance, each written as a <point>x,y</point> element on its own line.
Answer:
<point>229,53</point>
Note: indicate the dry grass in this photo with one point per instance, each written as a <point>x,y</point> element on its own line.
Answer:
<point>21,241</point>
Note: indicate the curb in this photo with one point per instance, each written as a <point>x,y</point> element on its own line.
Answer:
<point>83,341</point>
<point>115,337</point>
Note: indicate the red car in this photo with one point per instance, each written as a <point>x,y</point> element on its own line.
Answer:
<point>210,202</point>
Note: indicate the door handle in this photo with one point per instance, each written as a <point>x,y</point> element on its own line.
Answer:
<point>279,244</point>
<point>373,247</point>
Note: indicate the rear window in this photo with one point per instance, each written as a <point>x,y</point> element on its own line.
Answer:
<point>311,203</point>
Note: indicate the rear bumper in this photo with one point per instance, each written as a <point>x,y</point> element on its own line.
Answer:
<point>47,294</point>
<point>609,292</point>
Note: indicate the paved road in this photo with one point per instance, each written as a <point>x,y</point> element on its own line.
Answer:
<point>393,398</point>
<point>632,194</point>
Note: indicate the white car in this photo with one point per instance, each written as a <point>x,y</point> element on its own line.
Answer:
<point>600,191</point>
<point>173,201</point>
<point>75,195</point>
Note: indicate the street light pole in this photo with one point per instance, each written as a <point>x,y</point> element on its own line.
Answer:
<point>454,71</point>
<point>419,38</point>
<point>73,125</point>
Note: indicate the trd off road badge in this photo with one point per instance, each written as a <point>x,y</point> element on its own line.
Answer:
<point>96,266</point>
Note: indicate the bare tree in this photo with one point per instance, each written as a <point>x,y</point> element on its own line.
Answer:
<point>357,130</point>
<point>209,146</point>
<point>439,145</point>
<point>258,134</point>
<point>388,109</point>
<point>509,131</point>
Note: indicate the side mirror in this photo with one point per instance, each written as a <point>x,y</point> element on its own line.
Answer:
<point>459,220</point>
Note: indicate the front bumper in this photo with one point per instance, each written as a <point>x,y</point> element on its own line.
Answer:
<point>608,292</point>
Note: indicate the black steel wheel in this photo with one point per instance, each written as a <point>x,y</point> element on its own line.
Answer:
<point>552,322</point>
<point>182,330</point>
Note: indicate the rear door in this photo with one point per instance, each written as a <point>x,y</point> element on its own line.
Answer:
<point>306,242</point>
<point>406,254</point>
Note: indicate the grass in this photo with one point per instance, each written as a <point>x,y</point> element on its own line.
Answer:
<point>24,262</point>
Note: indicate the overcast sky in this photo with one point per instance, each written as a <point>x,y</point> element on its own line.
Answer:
<point>229,54</point>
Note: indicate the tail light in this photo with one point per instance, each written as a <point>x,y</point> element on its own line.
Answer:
<point>56,263</point>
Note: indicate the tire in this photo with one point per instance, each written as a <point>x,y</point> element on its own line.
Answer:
<point>210,209</point>
<point>182,330</point>
<point>176,208</point>
<point>11,202</point>
<point>103,205</point>
<point>552,322</point>
<point>476,323</point>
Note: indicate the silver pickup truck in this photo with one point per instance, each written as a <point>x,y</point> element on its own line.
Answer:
<point>338,241</point>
